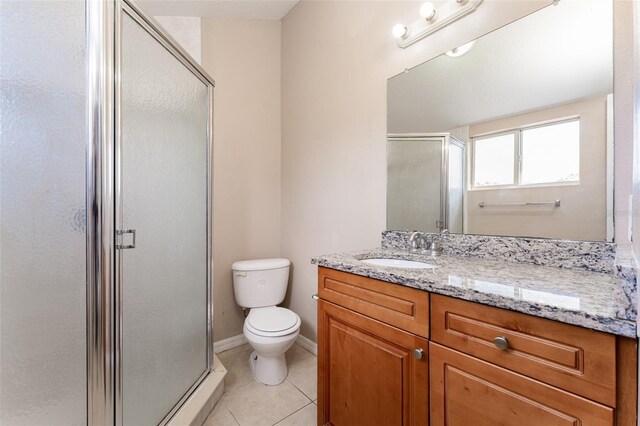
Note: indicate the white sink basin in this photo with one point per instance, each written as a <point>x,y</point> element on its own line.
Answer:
<point>399,263</point>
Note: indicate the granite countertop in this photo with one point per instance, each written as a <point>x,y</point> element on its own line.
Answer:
<point>589,299</point>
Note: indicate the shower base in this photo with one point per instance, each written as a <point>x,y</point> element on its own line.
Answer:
<point>197,408</point>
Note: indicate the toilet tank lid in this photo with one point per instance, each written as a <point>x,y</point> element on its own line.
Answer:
<point>260,264</point>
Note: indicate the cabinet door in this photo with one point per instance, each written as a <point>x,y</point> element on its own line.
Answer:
<point>467,391</point>
<point>367,372</point>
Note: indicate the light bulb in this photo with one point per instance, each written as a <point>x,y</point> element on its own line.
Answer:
<point>461,50</point>
<point>428,11</point>
<point>400,31</point>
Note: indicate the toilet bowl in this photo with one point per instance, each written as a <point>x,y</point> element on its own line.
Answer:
<point>270,330</point>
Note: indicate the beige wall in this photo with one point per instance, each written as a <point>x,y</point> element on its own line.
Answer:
<point>635,136</point>
<point>623,107</point>
<point>336,58</point>
<point>186,30</point>
<point>587,200</point>
<point>243,56</point>
<point>628,121</point>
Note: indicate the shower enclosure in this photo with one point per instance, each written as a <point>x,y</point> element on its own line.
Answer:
<point>105,216</point>
<point>425,182</point>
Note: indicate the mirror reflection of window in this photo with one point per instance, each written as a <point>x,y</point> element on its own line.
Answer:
<point>494,160</point>
<point>551,154</point>
<point>548,154</point>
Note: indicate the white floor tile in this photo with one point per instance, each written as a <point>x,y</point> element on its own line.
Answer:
<point>296,351</point>
<point>236,361</point>
<point>255,404</point>
<point>231,353</point>
<point>303,417</point>
<point>220,416</point>
<point>303,374</point>
<point>249,403</point>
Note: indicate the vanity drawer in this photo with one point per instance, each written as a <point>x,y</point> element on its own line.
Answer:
<point>573,358</point>
<point>403,307</point>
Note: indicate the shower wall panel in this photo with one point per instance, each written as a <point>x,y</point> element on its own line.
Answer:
<point>42,213</point>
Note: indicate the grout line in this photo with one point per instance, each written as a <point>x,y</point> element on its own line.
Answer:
<point>300,390</point>
<point>234,417</point>
<point>301,408</point>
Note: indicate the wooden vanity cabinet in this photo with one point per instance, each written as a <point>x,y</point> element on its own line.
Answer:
<point>370,371</point>
<point>538,372</point>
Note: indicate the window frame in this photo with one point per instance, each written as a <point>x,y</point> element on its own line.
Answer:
<point>517,152</point>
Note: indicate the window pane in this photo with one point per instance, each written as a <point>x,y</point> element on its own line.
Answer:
<point>551,153</point>
<point>494,160</point>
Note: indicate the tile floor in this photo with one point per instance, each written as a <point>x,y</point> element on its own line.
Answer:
<point>248,403</point>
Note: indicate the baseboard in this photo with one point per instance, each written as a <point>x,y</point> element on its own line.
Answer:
<point>235,341</point>
<point>308,344</point>
<point>229,343</point>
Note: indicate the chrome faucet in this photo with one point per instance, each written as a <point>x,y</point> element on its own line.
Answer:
<point>419,243</point>
<point>416,239</point>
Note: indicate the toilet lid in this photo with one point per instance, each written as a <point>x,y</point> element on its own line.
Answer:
<point>271,320</point>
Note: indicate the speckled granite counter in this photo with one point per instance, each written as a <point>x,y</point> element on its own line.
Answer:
<point>589,299</point>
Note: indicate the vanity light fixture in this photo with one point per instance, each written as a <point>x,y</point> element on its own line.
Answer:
<point>428,11</point>
<point>461,50</point>
<point>400,31</point>
<point>447,14</point>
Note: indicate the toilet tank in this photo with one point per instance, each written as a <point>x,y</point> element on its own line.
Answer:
<point>261,282</point>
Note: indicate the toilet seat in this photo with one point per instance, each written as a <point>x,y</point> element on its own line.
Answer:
<point>272,321</point>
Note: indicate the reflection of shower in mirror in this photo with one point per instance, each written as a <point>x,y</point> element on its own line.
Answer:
<point>532,105</point>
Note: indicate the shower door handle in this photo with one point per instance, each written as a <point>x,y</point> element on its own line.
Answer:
<point>120,233</point>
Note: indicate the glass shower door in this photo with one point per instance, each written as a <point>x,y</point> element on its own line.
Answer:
<point>162,179</point>
<point>414,183</point>
<point>43,319</point>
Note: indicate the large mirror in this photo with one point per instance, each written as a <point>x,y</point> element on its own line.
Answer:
<point>510,134</point>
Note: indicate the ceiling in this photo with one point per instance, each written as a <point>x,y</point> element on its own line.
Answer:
<point>244,9</point>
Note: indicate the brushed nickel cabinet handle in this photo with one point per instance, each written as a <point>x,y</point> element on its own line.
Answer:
<point>501,343</point>
<point>418,353</point>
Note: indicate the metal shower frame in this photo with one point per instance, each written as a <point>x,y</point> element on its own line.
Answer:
<point>103,193</point>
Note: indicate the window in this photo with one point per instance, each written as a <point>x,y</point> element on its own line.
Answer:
<point>538,155</point>
<point>495,160</point>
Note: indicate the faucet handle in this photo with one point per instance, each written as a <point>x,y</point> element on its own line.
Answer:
<point>425,243</point>
<point>436,249</point>
<point>415,240</point>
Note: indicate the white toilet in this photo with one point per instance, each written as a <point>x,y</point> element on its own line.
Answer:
<point>260,285</point>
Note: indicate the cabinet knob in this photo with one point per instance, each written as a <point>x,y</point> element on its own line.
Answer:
<point>315,297</point>
<point>501,343</point>
<point>418,353</point>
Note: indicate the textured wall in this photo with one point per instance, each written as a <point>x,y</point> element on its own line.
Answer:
<point>187,31</point>
<point>336,58</point>
<point>243,56</point>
